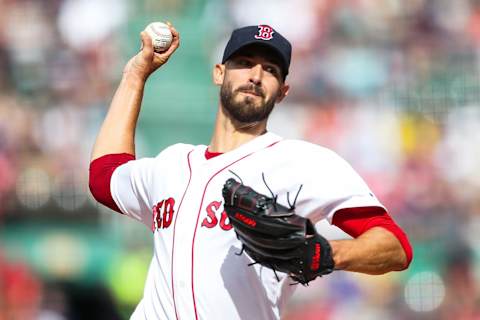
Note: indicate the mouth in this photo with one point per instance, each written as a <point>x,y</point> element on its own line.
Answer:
<point>251,93</point>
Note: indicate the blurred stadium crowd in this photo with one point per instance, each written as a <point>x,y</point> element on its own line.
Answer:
<point>392,86</point>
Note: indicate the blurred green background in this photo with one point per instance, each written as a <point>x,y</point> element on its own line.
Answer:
<point>392,86</point>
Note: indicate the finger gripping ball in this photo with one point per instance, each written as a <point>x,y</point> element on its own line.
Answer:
<point>161,36</point>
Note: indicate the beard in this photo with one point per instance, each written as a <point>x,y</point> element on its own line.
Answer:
<point>245,108</point>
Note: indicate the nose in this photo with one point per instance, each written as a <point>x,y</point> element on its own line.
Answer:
<point>256,74</point>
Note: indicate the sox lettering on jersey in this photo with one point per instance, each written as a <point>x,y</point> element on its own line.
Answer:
<point>163,215</point>
<point>211,219</point>
<point>223,222</point>
<point>264,32</point>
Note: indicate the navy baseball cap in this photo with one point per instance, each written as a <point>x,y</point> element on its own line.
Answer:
<point>262,35</point>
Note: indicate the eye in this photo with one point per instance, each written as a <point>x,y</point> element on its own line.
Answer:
<point>243,63</point>
<point>271,69</point>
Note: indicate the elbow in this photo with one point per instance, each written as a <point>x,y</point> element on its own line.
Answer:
<point>401,252</point>
<point>404,254</point>
<point>406,257</point>
<point>398,262</point>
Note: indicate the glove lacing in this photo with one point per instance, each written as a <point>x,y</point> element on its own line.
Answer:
<point>274,198</point>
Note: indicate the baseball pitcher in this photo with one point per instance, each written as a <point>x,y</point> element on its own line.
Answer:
<point>233,222</point>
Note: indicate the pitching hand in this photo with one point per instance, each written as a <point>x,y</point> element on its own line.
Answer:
<point>144,63</point>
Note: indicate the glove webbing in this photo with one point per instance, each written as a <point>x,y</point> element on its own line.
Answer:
<point>274,198</point>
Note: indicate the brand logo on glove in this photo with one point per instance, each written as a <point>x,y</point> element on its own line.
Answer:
<point>246,220</point>
<point>316,258</point>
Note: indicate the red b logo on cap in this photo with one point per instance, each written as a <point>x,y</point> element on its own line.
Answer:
<point>264,32</point>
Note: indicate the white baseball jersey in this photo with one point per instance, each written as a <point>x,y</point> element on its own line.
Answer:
<point>195,272</point>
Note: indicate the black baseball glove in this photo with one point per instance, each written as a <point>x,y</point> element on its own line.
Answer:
<point>275,236</point>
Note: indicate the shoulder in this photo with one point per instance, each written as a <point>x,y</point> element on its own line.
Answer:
<point>301,149</point>
<point>311,158</point>
<point>169,154</point>
<point>177,149</point>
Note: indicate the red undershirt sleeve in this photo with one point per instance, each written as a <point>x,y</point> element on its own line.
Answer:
<point>356,221</point>
<point>101,171</point>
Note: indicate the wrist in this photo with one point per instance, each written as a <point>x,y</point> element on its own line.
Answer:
<point>338,254</point>
<point>134,80</point>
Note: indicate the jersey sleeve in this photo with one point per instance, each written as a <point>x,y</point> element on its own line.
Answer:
<point>135,184</point>
<point>100,175</point>
<point>333,185</point>
<point>130,187</point>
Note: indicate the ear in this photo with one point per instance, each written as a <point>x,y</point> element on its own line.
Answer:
<point>285,88</point>
<point>218,74</point>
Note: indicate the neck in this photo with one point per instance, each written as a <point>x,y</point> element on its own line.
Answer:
<point>229,134</point>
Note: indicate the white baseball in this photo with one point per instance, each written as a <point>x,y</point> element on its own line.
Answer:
<point>161,36</point>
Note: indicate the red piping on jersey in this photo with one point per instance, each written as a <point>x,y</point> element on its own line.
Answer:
<point>100,176</point>
<point>174,227</point>
<point>356,221</point>
<point>198,217</point>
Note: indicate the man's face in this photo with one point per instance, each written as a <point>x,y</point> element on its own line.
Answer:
<point>252,84</point>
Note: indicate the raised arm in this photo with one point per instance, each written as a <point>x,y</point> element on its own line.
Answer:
<point>117,134</point>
